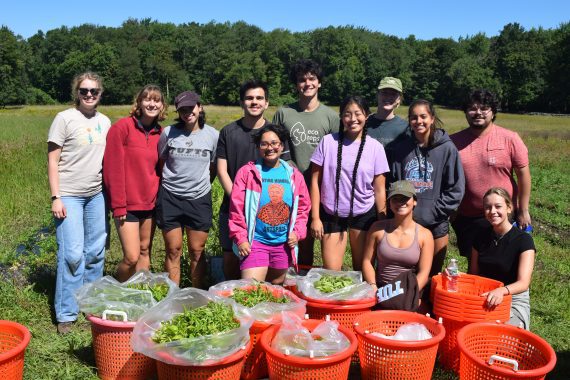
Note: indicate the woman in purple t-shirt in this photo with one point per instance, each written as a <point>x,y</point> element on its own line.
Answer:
<point>347,191</point>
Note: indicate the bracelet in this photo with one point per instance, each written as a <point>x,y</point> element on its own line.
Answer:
<point>508,290</point>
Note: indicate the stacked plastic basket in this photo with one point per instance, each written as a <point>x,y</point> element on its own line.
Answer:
<point>458,309</point>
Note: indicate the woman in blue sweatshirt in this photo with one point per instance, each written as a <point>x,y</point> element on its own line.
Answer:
<point>430,161</point>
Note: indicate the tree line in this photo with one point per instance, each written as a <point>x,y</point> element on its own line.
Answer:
<point>529,69</point>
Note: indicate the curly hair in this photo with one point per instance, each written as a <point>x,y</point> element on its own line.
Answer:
<point>279,130</point>
<point>303,67</point>
<point>482,97</point>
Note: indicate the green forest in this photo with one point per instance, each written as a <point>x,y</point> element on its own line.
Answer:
<point>529,69</point>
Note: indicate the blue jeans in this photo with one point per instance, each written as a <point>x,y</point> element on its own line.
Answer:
<point>81,238</point>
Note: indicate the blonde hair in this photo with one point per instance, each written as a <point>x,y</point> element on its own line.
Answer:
<point>80,78</point>
<point>501,193</point>
<point>153,92</point>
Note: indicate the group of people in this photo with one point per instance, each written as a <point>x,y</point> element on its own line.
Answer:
<point>386,185</point>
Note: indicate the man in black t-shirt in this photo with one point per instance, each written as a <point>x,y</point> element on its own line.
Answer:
<point>235,149</point>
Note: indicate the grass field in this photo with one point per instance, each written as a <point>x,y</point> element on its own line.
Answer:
<point>27,244</point>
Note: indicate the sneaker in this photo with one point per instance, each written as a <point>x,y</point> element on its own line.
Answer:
<point>64,327</point>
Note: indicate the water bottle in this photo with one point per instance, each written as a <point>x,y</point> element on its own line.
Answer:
<point>452,276</point>
<point>528,228</point>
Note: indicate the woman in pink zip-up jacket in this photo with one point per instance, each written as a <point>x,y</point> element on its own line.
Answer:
<point>269,208</point>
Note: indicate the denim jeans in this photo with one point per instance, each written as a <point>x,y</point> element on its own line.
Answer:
<point>81,238</point>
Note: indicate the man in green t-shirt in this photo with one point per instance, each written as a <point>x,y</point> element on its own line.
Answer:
<point>385,126</point>
<point>307,121</point>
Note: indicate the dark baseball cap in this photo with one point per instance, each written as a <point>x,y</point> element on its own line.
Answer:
<point>404,188</point>
<point>186,99</point>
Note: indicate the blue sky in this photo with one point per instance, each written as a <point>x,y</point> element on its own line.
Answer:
<point>425,19</point>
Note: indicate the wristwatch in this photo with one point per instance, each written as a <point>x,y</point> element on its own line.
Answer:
<point>54,197</point>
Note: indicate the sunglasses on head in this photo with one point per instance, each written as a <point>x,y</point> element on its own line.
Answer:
<point>93,91</point>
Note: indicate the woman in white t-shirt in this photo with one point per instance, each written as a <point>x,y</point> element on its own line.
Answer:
<point>76,144</point>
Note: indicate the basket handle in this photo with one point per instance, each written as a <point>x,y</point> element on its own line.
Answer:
<point>512,362</point>
<point>113,312</point>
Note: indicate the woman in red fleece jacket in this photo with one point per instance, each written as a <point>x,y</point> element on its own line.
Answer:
<point>131,177</point>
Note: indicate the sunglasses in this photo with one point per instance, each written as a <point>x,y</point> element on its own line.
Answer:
<point>93,91</point>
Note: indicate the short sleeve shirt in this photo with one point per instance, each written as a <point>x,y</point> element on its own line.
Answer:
<point>387,132</point>
<point>236,146</point>
<point>82,140</point>
<point>275,203</point>
<point>372,163</point>
<point>306,129</point>
<point>499,258</point>
<point>187,157</point>
<point>488,161</point>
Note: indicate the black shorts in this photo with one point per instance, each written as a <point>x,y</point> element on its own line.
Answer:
<point>358,222</point>
<point>224,231</point>
<point>175,212</point>
<point>139,216</point>
<point>466,230</point>
<point>439,230</point>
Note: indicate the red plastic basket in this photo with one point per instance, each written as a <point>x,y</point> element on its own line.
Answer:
<point>14,339</point>
<point>289,367</point>
<point>506,347</point>
<point>343,312</point>
<point>392,359</point>
<point>463,307</point>
<point>467,305</point>
<point>114,356</point>
<point>255,366</point>
<point>229,368</point>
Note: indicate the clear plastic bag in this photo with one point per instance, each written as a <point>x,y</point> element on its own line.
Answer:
<point>109,294</point>
<point>295,339</point>
<point>202,350</point>
<point>291,277</point>
<point>268,312</point>
<point>359,290</point>
<point>408,331</point>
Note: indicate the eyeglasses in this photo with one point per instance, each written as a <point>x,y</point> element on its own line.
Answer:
<point>483,109</point>
<point>273,144</point>
<point>93,91</point>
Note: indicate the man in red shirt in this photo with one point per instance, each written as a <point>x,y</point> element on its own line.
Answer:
<point>491,156</point>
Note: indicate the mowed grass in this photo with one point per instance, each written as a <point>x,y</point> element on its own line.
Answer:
<point>27,244</point>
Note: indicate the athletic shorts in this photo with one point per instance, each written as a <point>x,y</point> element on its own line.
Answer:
<point>175,212</point>
<point>224,231</point>
<point>139,216</point>
<point>271,256</point>
<point>466,230</point>
<point>358,222</point>
<point>439,230</point>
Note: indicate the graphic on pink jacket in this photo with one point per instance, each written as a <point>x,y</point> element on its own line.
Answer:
<point>244,204</point>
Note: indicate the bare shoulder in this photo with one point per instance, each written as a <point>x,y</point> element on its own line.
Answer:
<point>424,234</point>
<point>377,228</point>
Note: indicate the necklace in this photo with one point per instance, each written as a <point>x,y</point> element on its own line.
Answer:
<point>498,238</point>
